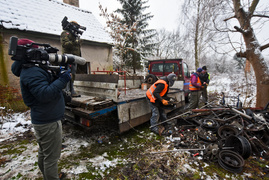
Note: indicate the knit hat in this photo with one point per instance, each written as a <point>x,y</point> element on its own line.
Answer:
<point>199,70</point>
<point>171,78</point>
<point>204,68</point>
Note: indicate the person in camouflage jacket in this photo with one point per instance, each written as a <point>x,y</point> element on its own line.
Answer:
<point>71,44</point>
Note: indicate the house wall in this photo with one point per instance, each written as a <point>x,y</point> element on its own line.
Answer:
<point>99,55</point>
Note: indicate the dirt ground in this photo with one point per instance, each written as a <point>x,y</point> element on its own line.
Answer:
<point>102,153</point>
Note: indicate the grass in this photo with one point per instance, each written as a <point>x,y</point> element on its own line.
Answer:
<point>11,98</point>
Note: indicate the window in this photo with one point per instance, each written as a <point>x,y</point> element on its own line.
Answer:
<point>170,67</point>
<point>186,70</point>
<point>167,67</point>
<point>157,68</point>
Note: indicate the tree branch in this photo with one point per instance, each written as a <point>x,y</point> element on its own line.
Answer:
<point>229,18</point>
<point>239,30</point>
<point>260,15</point>
<point>264,47</point>
<point>241,54</point>
<point>253,6</point>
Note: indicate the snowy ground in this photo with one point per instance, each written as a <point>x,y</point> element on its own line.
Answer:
<point>16,125</point>
<point>233,85</point>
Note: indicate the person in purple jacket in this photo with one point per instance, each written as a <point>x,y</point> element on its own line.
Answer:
<point>195,87</point>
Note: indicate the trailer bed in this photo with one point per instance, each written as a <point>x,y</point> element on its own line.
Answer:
<point>102,100</point>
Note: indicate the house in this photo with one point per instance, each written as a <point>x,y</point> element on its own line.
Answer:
<point>40,21</point>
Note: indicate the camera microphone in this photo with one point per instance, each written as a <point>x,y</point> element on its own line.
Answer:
<point>67,59</point>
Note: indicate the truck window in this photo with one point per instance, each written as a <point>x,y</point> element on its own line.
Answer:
<point>170,67</point>
<point>167,67</point>
<point>186,70</point>
<point>157,68</point>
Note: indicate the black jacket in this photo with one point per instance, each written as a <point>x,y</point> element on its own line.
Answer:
<point>43,95</point>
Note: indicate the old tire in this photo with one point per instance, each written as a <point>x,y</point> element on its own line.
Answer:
<point>151,79</point>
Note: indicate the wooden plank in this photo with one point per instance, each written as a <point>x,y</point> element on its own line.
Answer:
<point>98,92</point>
<point>91,103</point>
<point>81,112</point>
<point>91,84</point>
<point>97,89</point>
<point>97,78</point>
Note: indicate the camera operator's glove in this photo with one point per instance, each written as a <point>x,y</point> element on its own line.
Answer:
<point>165,102</point>
<point>66,77</point>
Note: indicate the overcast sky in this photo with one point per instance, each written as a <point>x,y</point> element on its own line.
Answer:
<point>165,12</point>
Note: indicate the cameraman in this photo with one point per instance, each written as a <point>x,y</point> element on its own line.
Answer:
<point>71,44</point>
<point>42,92</point>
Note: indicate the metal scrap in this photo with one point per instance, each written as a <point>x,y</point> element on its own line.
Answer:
<point>225,134</point>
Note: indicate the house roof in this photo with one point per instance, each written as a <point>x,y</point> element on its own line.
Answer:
<point>45,16</point>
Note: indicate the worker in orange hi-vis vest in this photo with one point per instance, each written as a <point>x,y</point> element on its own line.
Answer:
<point>195,88</point>
<point>156,96</point>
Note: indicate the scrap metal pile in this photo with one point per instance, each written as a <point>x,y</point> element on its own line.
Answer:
<point>224,134</point>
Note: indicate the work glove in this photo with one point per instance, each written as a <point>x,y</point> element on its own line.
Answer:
<point>66,77</point>
<point>165,102</point>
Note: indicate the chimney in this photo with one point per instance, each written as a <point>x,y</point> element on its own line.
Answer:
<point>72,2</point>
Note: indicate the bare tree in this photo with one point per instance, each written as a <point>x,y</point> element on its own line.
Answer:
<point>197,19</point>
<point>247,17</point>
<point>170,45</point>
<point>252,49</point>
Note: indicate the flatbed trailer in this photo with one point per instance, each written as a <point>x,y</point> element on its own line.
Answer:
<point>100,101</point>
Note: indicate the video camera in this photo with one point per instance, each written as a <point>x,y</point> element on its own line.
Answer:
<point>72,27</point>
<point>42,56</point>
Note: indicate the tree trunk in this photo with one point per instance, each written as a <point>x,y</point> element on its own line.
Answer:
<point>247,66</point>
<point>260,68</point>
<point>261,74</point>
<point>196,38</point>
<point>253,52</point>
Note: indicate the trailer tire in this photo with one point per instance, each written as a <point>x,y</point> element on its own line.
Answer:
<point>151,79</point>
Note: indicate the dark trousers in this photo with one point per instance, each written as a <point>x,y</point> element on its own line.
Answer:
<point>194,99</point>
<point>204,95</point>
<point>157,115</point>
<point>49,138</point>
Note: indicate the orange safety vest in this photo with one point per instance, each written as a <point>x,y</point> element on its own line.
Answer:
<point>152,89</point>
<point>193,88</point>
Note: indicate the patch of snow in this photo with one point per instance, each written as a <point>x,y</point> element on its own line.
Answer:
<point>14,124</point>
<point>232,85</point>
<point>102,162</point>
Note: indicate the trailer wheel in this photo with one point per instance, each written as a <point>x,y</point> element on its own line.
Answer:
<point>151,79</point>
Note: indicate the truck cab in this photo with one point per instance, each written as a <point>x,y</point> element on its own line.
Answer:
<point>163,67</point>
